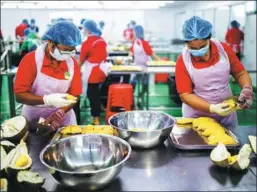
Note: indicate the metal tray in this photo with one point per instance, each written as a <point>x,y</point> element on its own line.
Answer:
<point>192,141</point>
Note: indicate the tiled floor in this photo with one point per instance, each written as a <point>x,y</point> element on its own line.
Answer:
<point>246,117</point>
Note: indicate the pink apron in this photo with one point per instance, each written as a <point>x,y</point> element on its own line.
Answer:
<point>87,68</point>
<point>212,85</point>
<point>140,55</point>
<point>44,85</point>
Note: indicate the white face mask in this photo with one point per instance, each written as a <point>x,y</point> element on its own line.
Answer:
<point>62,55</point>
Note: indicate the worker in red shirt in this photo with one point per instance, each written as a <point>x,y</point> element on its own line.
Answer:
<point>19,30</point>
<point>93,55</point>
<point>141,50</point>
<point>47,75</point>
<point>235,38</point>
<point>202,75</point>
<point>129,32</point>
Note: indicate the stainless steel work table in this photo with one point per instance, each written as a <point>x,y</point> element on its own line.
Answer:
<point>165,169</point>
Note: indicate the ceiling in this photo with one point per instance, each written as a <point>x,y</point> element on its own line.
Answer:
<point>91,4</point>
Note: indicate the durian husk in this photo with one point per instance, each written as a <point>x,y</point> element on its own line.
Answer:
<point>243,158</point>
<point>27,184</point>
<point>3,185</point>
<point>220,156</point>
<point>252,141</point>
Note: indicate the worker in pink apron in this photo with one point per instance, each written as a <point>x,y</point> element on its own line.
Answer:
<point>47,75</point>
<point>202,75</point>
<point>141,50</point>
<point>94,69</point>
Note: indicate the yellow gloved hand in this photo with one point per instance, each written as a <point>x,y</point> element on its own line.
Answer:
<point>221,109</point>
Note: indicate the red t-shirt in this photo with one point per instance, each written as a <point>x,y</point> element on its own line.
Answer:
<point>183,81</point>
<point>19,30</point>
<point>234,36</point>
<point>147,48</point>
<point>27,72</point>
<point>94,53</point>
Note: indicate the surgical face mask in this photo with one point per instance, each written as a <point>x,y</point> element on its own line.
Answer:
<point>200,52</point>
<point>62,55</point>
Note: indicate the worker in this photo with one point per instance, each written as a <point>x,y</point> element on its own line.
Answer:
<point>81,24</point>
<point>141,50</point>
<point>202,75</point>
<point>30,43</point>
<point>47,75</point>
<point>235,38</point>
<point>129,32</point>
<point>33,27</point>
<point>19,30</point>
<point>93,55</point>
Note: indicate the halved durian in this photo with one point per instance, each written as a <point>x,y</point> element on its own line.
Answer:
<point>7,145</point>
<point>242,161</point>
<point>14,129</point>
<point>3,185</point>
<point>220,155</point>
<point>252,140</point>
<point>29,181</point>
<point>20,161</point>
<point>232,159</point>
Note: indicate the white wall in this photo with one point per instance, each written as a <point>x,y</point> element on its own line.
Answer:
<point>158,21</point>
<point>214,11</point>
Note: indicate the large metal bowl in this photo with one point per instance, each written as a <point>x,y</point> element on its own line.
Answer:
<point>87,162</point>
<point>157,127</point>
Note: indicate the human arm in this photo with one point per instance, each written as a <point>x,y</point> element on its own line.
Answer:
<point>185,90</point>
<point>84,52</point>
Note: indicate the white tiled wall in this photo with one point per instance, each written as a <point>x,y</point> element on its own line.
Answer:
<point>159,22</point>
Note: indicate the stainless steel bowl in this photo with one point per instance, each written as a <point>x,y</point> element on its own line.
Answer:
<point>157,127</point>
<point>87,162</point>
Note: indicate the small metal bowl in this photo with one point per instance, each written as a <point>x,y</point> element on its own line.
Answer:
<point>156,127</point>
<point>87,162</point>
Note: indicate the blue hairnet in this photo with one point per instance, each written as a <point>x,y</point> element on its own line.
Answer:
<point>235,24</point>
<point>139,31</point>
<point>82,21</point>
<point>196,28</point>
<point>25,21</point>
<point>65,33</point>
<point>101,23</point>
<point>91,26</point>
<point>133,23</point>
<point>33,21</point>
<point>60,19</point>
<point>26,32</point>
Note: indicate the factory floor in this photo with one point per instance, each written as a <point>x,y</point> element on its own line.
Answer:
<point>245,117</point>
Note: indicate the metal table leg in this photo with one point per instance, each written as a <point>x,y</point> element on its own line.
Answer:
<point>147,92</point>
<point>11,96</point>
